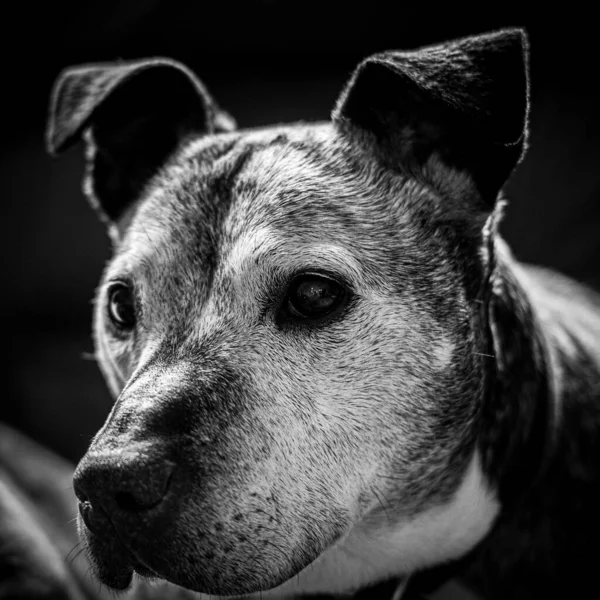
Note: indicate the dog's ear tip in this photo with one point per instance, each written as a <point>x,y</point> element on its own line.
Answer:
<point>55,136</point>
<point>57,139</point>
<point>224,122</point>
<point>519,33</point>
<point>51,146</point>
<point>54,139</point>
<point>55,142</point>
<point>511,42</point>
<point>512,35</point>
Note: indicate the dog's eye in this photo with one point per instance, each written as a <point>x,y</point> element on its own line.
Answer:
<point>311,296</point>
<point>121,306</point>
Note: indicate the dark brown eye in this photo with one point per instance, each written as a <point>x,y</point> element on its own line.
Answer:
<point>121,306</point>
<point>313,296</point>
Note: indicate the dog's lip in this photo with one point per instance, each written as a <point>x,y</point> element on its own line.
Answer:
<point>141,567</point>
<point>116,562</point>
<point>118,580</point>
<point>137,563</point>
<point>146,572</point>
<point>120,577</point>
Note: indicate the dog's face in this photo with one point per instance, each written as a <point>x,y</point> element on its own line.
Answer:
<point>289,326</point>
<point>299,352</point>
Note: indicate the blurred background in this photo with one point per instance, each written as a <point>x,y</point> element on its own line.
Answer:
<point>265,62</point>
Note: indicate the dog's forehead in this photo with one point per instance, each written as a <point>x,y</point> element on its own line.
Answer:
<point>296,180</point>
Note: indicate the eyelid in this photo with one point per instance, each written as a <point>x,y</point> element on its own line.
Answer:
<point>322,274</point>
<point>286,285</point>
<point>123,280</point>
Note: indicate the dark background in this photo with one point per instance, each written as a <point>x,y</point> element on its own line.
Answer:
<point>265,62</point>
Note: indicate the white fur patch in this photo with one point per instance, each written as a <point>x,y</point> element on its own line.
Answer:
<point>443,353</point>
<point>249,246</point>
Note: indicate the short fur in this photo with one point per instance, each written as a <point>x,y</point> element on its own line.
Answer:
<point>449,412</point>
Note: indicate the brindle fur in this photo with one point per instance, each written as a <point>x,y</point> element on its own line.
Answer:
<point>449,412</point>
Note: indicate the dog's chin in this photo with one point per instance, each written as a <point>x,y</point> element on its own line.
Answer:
<point>223,584</point>
<point>114,565</point>
<point>120,577</point>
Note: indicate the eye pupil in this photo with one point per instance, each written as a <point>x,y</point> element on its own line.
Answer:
<point>121,306</point>
<point>314,296</point>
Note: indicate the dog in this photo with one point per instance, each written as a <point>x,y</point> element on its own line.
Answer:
<point>329,370</point>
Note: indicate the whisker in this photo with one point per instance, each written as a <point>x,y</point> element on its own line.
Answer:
<point>381,503</point>
<point>77,555</point>
<point>71,550</point>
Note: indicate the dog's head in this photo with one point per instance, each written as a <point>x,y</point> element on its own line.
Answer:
<point>289,322</point>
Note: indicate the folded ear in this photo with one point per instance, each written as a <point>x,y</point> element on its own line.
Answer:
<point>133,115</point>
<point>465,101</point>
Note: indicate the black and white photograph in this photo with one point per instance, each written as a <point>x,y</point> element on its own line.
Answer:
<point>301,301</point>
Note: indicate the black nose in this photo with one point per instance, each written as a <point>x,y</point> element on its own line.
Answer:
<point>121,484</point>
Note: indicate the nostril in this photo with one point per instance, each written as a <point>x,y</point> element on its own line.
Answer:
<point>94,518</point>
<point>81,496</point>
<point>128,503</point>
<point>85,509</point>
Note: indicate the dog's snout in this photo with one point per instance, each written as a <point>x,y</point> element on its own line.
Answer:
<point>121,484</point>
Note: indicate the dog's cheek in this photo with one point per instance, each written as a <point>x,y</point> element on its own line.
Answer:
<point>318,419</point>
<point>359,401</point>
